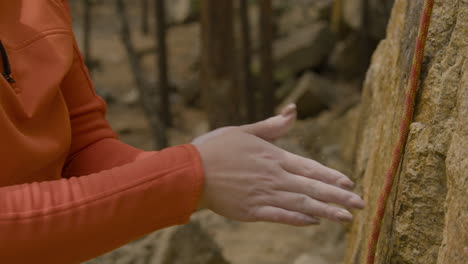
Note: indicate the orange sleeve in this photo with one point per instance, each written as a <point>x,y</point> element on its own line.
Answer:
<point>121,193</point>
<point>76,219</point>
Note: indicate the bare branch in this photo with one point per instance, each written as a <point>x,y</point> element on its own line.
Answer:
<point>148,98</point>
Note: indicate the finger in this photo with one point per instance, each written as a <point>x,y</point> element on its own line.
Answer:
<point>321,191</point>
<point>312,169</point>
<point>282,216</point>
<point>304,204</point>
<point>274,127</point>
<point>290,109</point>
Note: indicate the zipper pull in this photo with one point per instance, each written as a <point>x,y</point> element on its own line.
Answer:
<point>8,78</point>
<point>6,64</point>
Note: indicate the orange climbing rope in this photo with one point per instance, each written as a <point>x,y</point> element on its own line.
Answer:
<point>404,128</point>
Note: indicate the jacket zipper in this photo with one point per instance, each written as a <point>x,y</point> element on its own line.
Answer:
<point>6,64</point>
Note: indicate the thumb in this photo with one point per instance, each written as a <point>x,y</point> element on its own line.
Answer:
<point>274,127</point>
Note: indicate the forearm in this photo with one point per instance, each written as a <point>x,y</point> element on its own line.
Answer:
<point>71,220</point>
<point>102,155</point>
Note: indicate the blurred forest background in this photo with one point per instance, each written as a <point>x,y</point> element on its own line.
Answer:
<point>172,70</point>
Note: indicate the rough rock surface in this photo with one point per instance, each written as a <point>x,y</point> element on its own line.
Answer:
<point>426,220</point>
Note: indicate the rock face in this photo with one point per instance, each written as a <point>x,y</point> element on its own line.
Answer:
<point>426,220</point>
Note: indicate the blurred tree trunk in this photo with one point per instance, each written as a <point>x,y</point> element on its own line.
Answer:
<point>218,72</point>
<point>164,108</point>
<point>148,98</point>
<point>266,57</point>
<point>249,89</point>
<point>145,17</point>
<point>336,23</point>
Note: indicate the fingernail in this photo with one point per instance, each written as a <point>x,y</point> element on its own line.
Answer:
<point>344,216</point>
<point>288,110</point>
<point>357,202</point>
<point>346,183</point>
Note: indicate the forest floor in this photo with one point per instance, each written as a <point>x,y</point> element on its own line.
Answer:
<point>241,243</point>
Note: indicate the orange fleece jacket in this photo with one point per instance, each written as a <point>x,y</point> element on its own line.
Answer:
<point>69,190</point>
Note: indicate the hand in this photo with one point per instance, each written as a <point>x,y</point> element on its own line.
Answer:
<point>249,179</point>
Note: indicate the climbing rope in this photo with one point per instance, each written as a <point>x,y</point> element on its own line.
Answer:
<point>404,128</point>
